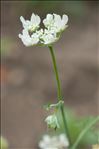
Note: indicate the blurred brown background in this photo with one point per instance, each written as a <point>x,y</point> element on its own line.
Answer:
<point>27,77</point>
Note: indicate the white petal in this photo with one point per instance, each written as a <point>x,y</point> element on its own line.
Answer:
<point>22,19</point>
<point>49,17</point>
<point>48,21</point>
<point>35,19</point>
<point>20,35</point>
<point>27,39</point>
<point>46,138</point>
<point>32,16</point>
<point>57,18</point>
<point>65,19</point>
<point>26,23</point>
<point>32,24</point>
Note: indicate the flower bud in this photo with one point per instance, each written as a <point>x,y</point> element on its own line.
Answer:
<point>52,121</point>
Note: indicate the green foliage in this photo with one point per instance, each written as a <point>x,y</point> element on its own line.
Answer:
<point>75,8</point>
<point>76,126</point>
<point>3,143</point>
<point>6,45</point>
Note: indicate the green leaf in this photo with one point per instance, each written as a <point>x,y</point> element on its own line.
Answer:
<point>84,131</point>
<point>76,125</point>
<point>3,143</point>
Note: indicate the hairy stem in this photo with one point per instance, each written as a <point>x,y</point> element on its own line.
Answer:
<point>59,92</point>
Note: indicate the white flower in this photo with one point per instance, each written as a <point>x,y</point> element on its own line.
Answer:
<point>31,24</point>
<point>55,22</point>
<point>27,39</point>
<point>52,121</point>
<point>48,37</point>
<point>54,142</point>
<point>48,21</point>
<point>39,33</point>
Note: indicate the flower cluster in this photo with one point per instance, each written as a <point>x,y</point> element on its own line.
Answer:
<point>55,142</point>
<point>32,34</point>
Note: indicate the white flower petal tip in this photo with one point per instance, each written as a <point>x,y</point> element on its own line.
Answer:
<point>54,142</point>
<point>35,19</point>
<point>54,26</point>
<point>22,19</point>
<point>65,18</point>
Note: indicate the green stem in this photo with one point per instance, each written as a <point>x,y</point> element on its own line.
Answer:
<point>56,74</point>
<point>59,92</point>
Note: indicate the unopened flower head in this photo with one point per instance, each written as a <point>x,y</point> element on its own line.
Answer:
<point>32,34</point>
<point>54,142</point>
<point>52,121</point>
